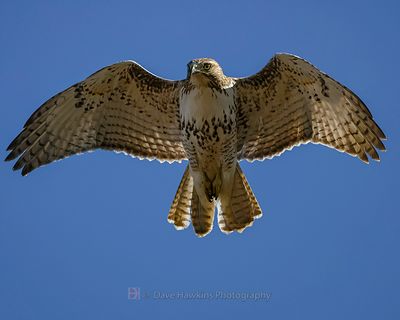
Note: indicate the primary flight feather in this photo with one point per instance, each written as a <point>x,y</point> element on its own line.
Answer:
<point>209,119</point>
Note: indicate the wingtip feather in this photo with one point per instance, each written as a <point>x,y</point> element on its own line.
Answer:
<point>27,169</point>
<point>9,157</point>
<point>13,144</point>
<point>363,157</point>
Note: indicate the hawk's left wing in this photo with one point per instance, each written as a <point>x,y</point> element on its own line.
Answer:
<point>122,107</point>
<point>290,102</point>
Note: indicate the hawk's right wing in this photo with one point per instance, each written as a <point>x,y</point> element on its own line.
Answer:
<point>290,102</point>
<point>121,107</point>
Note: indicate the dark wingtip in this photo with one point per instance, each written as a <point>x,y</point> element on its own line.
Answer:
<point>380,132</point>
<point>15,141</point>
<point>379,145</point>
<point>363,157</point>
<point>27,168</point>
<point>18,165</point>
<point>9,157</point>
<point>375,156</point>
<point>11,145</point>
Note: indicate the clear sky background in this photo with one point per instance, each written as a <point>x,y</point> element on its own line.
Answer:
<point>76,234</point>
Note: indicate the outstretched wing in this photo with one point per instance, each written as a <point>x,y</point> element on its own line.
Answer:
<point>121,107</point>
<point>290,102</point>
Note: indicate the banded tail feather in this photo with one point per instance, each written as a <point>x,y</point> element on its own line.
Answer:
<point>240,210</point>
<point>235,213</point>
<point>179,214</point>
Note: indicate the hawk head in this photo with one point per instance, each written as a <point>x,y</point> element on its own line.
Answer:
<point>202,71</point>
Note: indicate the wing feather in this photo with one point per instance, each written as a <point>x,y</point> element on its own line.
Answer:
<point>122,107</point>
<point>290,102</point>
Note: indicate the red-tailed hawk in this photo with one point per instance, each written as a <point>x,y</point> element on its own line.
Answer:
<point>212,120</point>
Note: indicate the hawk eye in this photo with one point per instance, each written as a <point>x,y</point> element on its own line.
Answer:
<point>206,66</point>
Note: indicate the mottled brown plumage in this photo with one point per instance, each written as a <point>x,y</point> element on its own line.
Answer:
<point>210,119</point>
<point>290,102</point>
<point>121,107</point>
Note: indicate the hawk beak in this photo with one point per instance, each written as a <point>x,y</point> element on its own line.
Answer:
<point>193,67</point>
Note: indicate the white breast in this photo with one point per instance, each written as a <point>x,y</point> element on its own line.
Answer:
<point>204,103</point>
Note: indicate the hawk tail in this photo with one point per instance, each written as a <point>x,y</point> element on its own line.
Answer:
<point>237,211</point>
<point>179,214</point>
<point>202,216</point>
<point>187,207</point>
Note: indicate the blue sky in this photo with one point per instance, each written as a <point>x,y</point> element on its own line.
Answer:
<point>76,234</point>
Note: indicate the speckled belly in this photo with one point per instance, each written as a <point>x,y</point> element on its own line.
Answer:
<point>208,124</point>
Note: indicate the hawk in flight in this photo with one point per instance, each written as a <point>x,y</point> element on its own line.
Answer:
<point>209,119</point>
